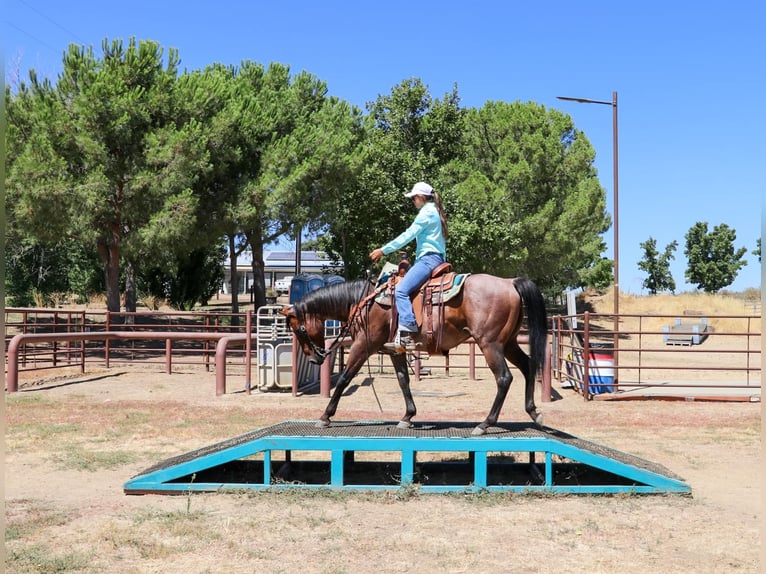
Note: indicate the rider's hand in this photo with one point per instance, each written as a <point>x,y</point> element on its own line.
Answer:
<point>376,254</point>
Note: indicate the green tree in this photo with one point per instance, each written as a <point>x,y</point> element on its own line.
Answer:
<point>713,263</point>
<point>32,265</point>
<point>757,250</point>
<point>210,100</point>
<point>277,144</point>
<point>657,266</point>
<point>93,150</point>
<point>409,136</point>
<point>525,198</point>
<point>190,280</point>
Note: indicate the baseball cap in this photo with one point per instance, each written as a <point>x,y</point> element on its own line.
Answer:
<point>420,188</point>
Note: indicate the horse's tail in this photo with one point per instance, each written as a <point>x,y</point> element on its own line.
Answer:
<point>537,321</point>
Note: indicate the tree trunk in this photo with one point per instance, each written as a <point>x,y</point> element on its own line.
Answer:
<point>234,280</point>
<point>111,262</point>
<point>130,292</point>
<point>259,280</point>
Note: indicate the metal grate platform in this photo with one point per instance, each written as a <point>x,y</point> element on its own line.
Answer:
<point>435,456</point>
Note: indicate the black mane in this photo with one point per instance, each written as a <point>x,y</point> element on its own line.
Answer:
<point>332,301</point>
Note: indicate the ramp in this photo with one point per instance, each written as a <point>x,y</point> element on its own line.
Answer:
<point>435,457</point>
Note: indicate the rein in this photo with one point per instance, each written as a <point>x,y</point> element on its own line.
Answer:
<point>356,310</point>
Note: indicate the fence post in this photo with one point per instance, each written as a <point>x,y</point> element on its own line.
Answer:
<point>325,371</point>
<point>586,355</point>
<point>55,343</point>
<point>248,350</point>
<point>472,360</point>
<point>168,356</point>
<point>546,388</point>
<point>416,360</point>
<point>83,329</point>
<point>294,355</point>
<point>106,343</point>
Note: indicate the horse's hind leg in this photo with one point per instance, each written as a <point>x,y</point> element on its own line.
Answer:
<point>403,376</point>
<point>495,360</point>
<point>519,358</point>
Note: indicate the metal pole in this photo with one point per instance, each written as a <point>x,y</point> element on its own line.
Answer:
<point>248,350</point>
<point>616,223</point>
<point>616,242</point>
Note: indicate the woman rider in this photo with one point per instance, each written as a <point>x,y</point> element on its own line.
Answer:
<point>429,229</point>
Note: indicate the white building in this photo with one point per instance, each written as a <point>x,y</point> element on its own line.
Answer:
<point>277,265</point>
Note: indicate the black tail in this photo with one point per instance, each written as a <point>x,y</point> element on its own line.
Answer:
<point>537,321</point>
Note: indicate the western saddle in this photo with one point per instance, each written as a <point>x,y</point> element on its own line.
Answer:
<point>430,294</point>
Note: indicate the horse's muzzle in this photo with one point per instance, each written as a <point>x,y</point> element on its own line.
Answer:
<point>318,355</point>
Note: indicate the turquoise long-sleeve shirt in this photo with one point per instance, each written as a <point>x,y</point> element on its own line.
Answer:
<point>426,229</point>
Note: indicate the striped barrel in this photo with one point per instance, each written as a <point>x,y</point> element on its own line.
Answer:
<point>601,371</point>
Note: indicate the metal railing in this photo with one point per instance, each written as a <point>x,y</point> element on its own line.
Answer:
<point>110,352</point>
<point>726,357</point>
<point>708,355</point>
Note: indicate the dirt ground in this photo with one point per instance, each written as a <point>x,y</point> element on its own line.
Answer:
<point>72,443</point>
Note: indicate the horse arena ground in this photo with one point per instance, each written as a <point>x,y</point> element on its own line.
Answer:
<point>73,441</point>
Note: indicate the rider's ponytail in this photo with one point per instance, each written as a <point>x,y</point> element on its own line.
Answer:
<point>438,202</point>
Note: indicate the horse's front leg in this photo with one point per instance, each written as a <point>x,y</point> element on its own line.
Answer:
<point>403,376</point>
<point>340,386</point>
<point>356,359</point>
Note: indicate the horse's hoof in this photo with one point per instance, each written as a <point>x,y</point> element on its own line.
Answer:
<point>404,425</point>
<point>320,424</point>
<point>538,418</point>
<point>478,431</point>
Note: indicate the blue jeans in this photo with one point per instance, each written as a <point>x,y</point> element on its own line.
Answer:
<point>415,277</point>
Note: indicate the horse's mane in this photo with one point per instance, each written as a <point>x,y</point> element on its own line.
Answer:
<point>333,300</point>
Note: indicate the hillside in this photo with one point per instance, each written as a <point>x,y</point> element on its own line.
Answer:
<point>747,303</point>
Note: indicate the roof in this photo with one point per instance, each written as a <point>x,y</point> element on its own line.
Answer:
<point>285,260</point>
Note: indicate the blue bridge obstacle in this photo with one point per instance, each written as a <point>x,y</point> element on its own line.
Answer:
<point>435,457</point>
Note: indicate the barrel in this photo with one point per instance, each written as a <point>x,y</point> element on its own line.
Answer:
<point>601,368</point>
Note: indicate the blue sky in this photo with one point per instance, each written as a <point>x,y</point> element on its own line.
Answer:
<point>690,81</point>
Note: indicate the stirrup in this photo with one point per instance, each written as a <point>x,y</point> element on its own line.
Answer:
<point>408,343</point>
<point>394,347</point>
<point>402,343</point>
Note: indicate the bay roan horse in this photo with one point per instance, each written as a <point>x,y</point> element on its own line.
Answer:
<point>489,309</point>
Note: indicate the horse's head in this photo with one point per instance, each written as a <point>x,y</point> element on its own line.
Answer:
<point>309,330</point>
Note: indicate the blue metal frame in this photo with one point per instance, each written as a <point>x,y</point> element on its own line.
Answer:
<point>641,480</point>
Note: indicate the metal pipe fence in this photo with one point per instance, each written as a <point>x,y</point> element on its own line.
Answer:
<point>721,354</point>
<point>135,349</point>
<point>711,355</point>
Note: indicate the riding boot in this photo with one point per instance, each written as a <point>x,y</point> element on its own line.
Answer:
<point>403,343</point>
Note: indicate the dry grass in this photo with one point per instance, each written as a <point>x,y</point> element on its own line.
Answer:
<point>682,306</point>
<point>72,443</point>
<point>72,516</point>
<point>667,304</point>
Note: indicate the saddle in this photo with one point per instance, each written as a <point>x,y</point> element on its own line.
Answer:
<point>441,286</point>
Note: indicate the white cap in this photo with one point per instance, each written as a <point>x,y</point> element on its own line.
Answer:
<point>420,188</point>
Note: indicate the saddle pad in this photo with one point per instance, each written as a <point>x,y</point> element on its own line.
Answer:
<point>384,298</point>
<point>450,292</point>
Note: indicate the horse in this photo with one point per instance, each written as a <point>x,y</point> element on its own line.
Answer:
<point>488,309</point>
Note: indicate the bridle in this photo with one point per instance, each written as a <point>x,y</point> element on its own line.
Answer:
<point>323,352</point>
<point>304,339</point>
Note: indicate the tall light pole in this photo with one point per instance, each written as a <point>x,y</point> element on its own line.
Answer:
<point>613,103</point>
